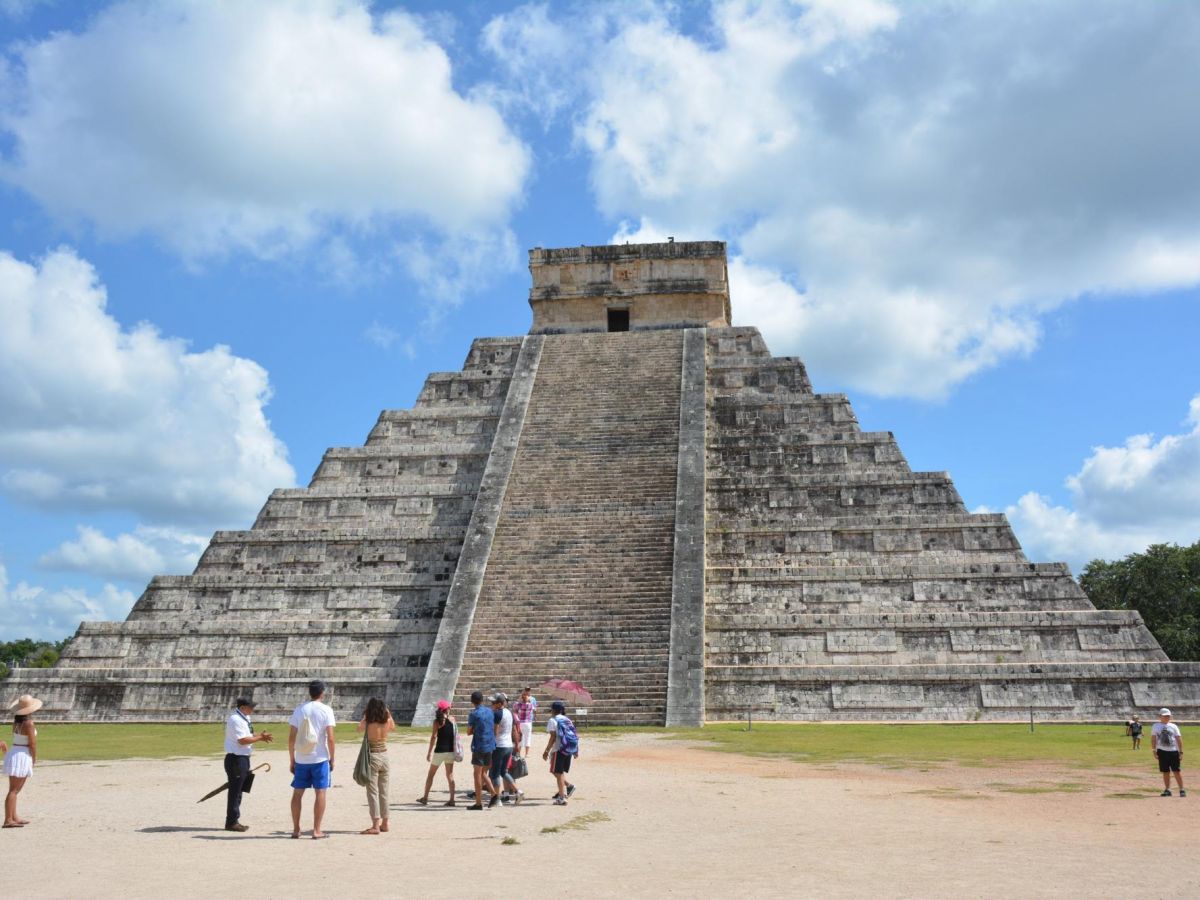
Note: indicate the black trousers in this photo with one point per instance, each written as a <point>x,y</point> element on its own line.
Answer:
<point>236,770</point>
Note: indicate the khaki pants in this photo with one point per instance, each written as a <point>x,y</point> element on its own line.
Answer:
<point>377,787</point>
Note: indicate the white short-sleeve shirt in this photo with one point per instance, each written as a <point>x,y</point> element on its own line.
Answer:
<point>236,726</point>
<point>504,730</point>
<point>552,728</point>
<point>1165,736</point>
<point>322,717</point>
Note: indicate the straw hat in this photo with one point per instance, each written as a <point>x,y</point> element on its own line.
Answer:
<point>25,705</point>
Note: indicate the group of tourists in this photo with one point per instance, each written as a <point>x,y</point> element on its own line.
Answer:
<point>500,742</point>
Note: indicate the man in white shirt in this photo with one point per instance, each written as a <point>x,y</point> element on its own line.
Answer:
<point>239,744</point>
<point>311,748</point>
<point>1167,743</point>
<point>508,733</point>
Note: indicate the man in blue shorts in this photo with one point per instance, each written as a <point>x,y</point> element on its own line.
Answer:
<point>481,725</point>
<point>311,748</point>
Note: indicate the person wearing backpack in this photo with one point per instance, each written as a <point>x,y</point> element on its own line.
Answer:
<point>562,747</point>
<point>311,749</point>
<point>1167,743</point>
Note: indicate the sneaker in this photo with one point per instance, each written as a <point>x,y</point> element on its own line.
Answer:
<point>475,806</point>
<point>495,801</point>
<point>1182,792</point>
<point>559,801</point>
<point>1166,793</point>
<point>570,790</point>
<point>518,797</point>
<point>237,827</point>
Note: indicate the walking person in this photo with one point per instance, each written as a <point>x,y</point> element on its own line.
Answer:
<point>525,710</point>
<point>443,741</point>
<point>562,747</point>
<point>508,735</point>
<point>481,725</point>
<point>311,749</point>
<point>239,744</point>
<point>20,759</point>
<point>1167,743</point>
<point>1135,732</point>
<point>378,724</point>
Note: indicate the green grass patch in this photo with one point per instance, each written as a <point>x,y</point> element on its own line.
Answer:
<point>509,841</point>
<point>86,742</point>
<point>1046,787</point>
<point>578,823</point>
<point>987,744</point>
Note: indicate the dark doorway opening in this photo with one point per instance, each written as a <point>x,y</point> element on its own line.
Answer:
<point>618,320</point>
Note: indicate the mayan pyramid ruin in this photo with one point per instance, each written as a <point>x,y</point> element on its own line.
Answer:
<point>660,510</point>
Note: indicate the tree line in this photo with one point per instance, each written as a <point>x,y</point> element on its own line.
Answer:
<point>30,654</point>
<point>1163,584</point>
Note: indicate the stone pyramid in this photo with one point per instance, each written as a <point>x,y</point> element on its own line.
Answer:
<point>637,496</point>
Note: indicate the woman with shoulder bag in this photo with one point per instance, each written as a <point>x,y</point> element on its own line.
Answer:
<point>377,723</point>
<point>443,746</point>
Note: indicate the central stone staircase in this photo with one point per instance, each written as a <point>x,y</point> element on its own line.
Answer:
<point>578,584</point>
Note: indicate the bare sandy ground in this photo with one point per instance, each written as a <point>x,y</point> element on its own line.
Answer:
<point>668,819</point>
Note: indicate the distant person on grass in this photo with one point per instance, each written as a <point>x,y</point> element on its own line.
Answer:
<point>481,725</point>
<point>443,750</point>
<point>1168,750</point>
<point>1135,732</point>
<point>20,759</point>
<point>239,744</point>
<point>508,735</point>
<point>311,748</point>
<point>562,747</point>
<point>377,722</point>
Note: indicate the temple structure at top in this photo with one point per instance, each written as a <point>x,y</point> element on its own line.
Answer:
<point>637,496</point>
<point>629,288</point>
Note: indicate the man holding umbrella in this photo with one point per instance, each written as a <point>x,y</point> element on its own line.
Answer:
<point>239,744</point>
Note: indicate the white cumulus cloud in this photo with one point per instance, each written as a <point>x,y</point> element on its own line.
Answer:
<point>94,416</point>
<point>32,611</point>
<point>219,125</point>
<point>134,556</point>
<point>910,187</point>
<point>1123,499</point>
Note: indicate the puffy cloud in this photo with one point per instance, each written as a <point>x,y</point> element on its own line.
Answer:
<point>1122,500</point>
<point>136,556</point>
<point>923,181</point>
<point>222,125</point>
<point>94,416</point>
<point>32,611</point>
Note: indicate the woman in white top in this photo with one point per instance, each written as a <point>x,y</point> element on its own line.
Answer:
<point>21,757</point>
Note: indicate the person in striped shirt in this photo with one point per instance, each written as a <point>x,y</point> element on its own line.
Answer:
<point>525,710</point>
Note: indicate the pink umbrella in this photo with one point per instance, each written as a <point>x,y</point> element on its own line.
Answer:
<point>572,691</point>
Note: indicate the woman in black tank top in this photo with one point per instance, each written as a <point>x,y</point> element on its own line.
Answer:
<point>443,746</point>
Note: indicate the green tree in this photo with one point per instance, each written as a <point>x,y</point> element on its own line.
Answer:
<point>1163,584</point>
<point>30,653</point>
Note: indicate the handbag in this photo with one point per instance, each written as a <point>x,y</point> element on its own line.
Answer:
<point>520,768</point>
<point>362,765</point>
<point>458,750</point>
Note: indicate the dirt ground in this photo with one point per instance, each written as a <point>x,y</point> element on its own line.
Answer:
<point>651,817</point>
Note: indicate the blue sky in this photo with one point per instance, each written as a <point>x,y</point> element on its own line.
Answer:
<point>230,234</point>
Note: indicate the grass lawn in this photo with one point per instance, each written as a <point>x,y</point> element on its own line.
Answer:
<point>1085,746</point>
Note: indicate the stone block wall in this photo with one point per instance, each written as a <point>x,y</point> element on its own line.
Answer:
<point>345,580</point>
<point>840,584</point>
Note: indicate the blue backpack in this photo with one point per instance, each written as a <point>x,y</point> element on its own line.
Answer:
<point>568,739</point>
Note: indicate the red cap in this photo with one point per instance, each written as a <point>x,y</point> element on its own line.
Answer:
<point>443,704</point>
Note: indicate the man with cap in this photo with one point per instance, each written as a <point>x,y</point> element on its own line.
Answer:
<point>1167,744</point>
<point>239,743</point>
